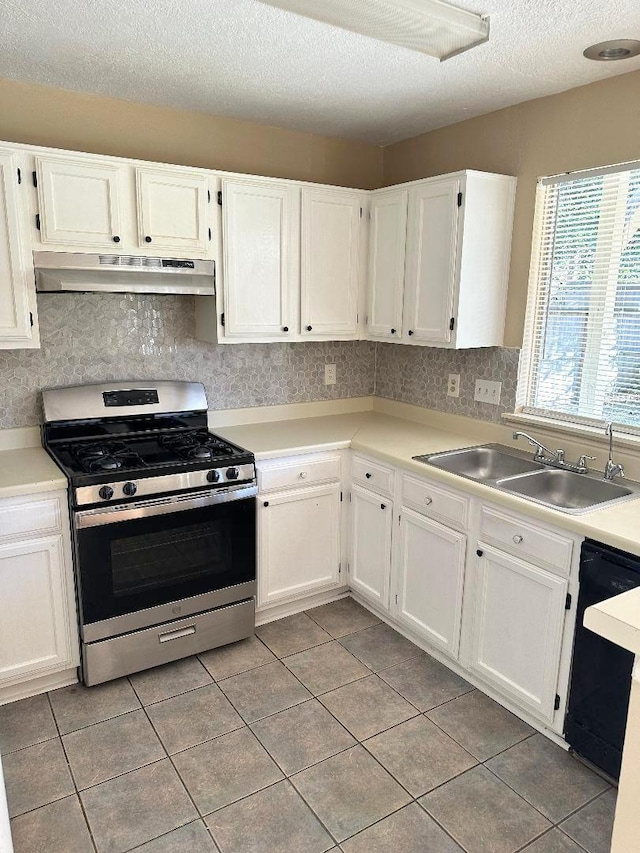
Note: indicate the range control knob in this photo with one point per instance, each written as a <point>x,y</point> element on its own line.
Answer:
<point>106,493</point>
<point>213,476</point>
<point>232,474</point>
<point>129,489</point>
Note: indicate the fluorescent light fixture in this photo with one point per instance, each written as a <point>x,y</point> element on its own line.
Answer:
<point>427,26</point>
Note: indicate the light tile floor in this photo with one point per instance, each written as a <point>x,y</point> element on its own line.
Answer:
<point>327,731</point>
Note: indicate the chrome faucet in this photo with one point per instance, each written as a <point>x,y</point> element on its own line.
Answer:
<point>611,469</point>
<point>554,458</point>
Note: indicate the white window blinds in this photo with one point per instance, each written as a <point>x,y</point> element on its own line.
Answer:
<point>581,354</point>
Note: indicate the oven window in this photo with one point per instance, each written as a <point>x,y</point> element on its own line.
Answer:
<point>154,560</point>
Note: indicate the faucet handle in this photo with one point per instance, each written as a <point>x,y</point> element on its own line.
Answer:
<point>582,461</point>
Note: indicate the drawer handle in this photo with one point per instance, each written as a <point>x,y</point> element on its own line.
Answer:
<point>428,501</point>
<point>518,539</point>
<point>176,635</point>
<point>303,475</point>
<point>368,475</point>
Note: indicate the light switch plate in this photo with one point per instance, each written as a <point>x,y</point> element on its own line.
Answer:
<point>453,385</point>
<point>487,391</point>
<point>330,376</point>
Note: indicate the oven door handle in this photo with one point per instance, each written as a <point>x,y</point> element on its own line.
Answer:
<point>161,506</point>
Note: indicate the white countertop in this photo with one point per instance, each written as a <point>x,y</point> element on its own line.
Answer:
<point>396,441</point>
<point>28,470</point>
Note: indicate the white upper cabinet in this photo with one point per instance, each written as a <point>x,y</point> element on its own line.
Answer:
<point>431,261</point>
<point>260,270</point>
<point>81,202</point>
<point>456,261</point>
<point>387,238</point>
<point>430,580</point>
<point>18,327</point>
<point>517,629</point>
<point>173,210</point>
<point>330,263</point>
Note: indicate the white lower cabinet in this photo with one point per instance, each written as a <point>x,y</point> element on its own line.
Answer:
<point>430,579</point>
<point>299,543</point>
<point>38,629</point>
<point>370,560</point>
<point>518,623</point>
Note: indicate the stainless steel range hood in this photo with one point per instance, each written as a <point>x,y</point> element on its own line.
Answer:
<point>71,271</point>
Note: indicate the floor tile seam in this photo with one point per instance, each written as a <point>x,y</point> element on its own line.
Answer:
<point>217,681</point>
<point>5,755</point>
<point>75,788</point>
<point>97,722</point>
<point>376,822</point>
<point>81,791</point>
<point>353,735</point>
<point>466,749</point>
<point>66,797</point>
<point>74,793</point>
<point>370,675</point>
<point>555,823</point>
<point>588,802</point>
<point>198,655</point>
<point>507,748</point>
<point>442,827</point>
<point>168,832</point>
<point>313,811</point>
<point>180,693</point>
<point>521,796</point>
<point>306,649</point>
<point>309,766</point>
<point>527,844</point>
<point>205,815</point>
<point>242,725</point>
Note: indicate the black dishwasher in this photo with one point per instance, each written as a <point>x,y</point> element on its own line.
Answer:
<point>601,671</point>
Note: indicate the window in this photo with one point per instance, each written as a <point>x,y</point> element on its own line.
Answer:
<point>581,356</point>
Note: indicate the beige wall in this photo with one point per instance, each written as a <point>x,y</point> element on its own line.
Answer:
<point>585,127</point>
<point>54,117</point>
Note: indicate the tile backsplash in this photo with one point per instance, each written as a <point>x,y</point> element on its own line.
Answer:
<point>97,337</point>
<point>419,375</point>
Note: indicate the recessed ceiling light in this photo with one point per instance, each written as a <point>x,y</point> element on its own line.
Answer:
<point>609,51</point>
<point>433,27</point>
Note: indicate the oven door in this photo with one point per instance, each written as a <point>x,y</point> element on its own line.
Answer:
<point>136,563</point>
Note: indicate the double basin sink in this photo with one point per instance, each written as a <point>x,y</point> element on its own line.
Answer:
<point>509,470</point>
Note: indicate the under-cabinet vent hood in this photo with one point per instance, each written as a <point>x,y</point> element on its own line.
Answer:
<point>71,271</point>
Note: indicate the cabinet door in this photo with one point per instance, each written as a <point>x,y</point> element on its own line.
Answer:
<point>80,202</point>
<point>260,235</point>
<point>299,543</point>
<point>173,210</point>
<point>370,565</point>
<point>330,263</point>
<point>430,579</point>
<point>432,261</point>
<point>387,239</point>
<point>34,629</point>
<point>517,631</point>
<point>17,287</point>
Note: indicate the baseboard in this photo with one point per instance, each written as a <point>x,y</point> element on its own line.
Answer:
<point>289,608</point>
<point>38,685</point>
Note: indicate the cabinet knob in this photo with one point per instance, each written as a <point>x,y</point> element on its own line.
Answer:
<point>147,239</point>
<point>410,332</point>
<point>116,239</point>
<point>479,552</point>
<point>428,501</point>
<point>368,475</point>
<point>285,328</point>
<point>393,331</point>
<point>303,475</point>
<point>309,328</point>
<point>518,539</point>
<point>266,503</point>
<point>383,506</point>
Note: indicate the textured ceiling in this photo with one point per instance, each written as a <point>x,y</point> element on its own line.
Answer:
<point>244,59</point>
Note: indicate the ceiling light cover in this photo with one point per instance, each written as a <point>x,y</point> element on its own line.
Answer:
<point>609,51</point>
<point>426,26</point>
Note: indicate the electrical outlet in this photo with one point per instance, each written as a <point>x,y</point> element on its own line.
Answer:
<point>453,385</point>
<point>330,377</point>
<point>487,392</point>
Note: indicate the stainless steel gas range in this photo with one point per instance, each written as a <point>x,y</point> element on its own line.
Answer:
<point>163,523</point>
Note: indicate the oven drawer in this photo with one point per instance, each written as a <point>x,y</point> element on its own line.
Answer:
<point>298,471</point>
<point>22,516</point>
<point>140,650</point>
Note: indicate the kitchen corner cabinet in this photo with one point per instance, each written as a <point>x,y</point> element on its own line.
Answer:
<point>18,320</point>
<point>526,604</point>
<point>456,261</point>
<point>387,244</point>
<point>38,630</point>
<point>330,263</point>
<point>299,527</point>
<point>260,228</point>
<point>370,559</point>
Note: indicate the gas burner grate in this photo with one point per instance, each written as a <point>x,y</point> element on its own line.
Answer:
<point>198,445</point>
<point>109,456</point>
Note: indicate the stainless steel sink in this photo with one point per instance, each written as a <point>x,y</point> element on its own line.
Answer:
<point>486,464</point>
<point>564,489</point>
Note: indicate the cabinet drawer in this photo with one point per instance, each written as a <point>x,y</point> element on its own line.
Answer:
<point>435,501</point>
<point>298,471</point>
<point>527,540</point>
<point>19,517</point>
<point>373,475</point>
